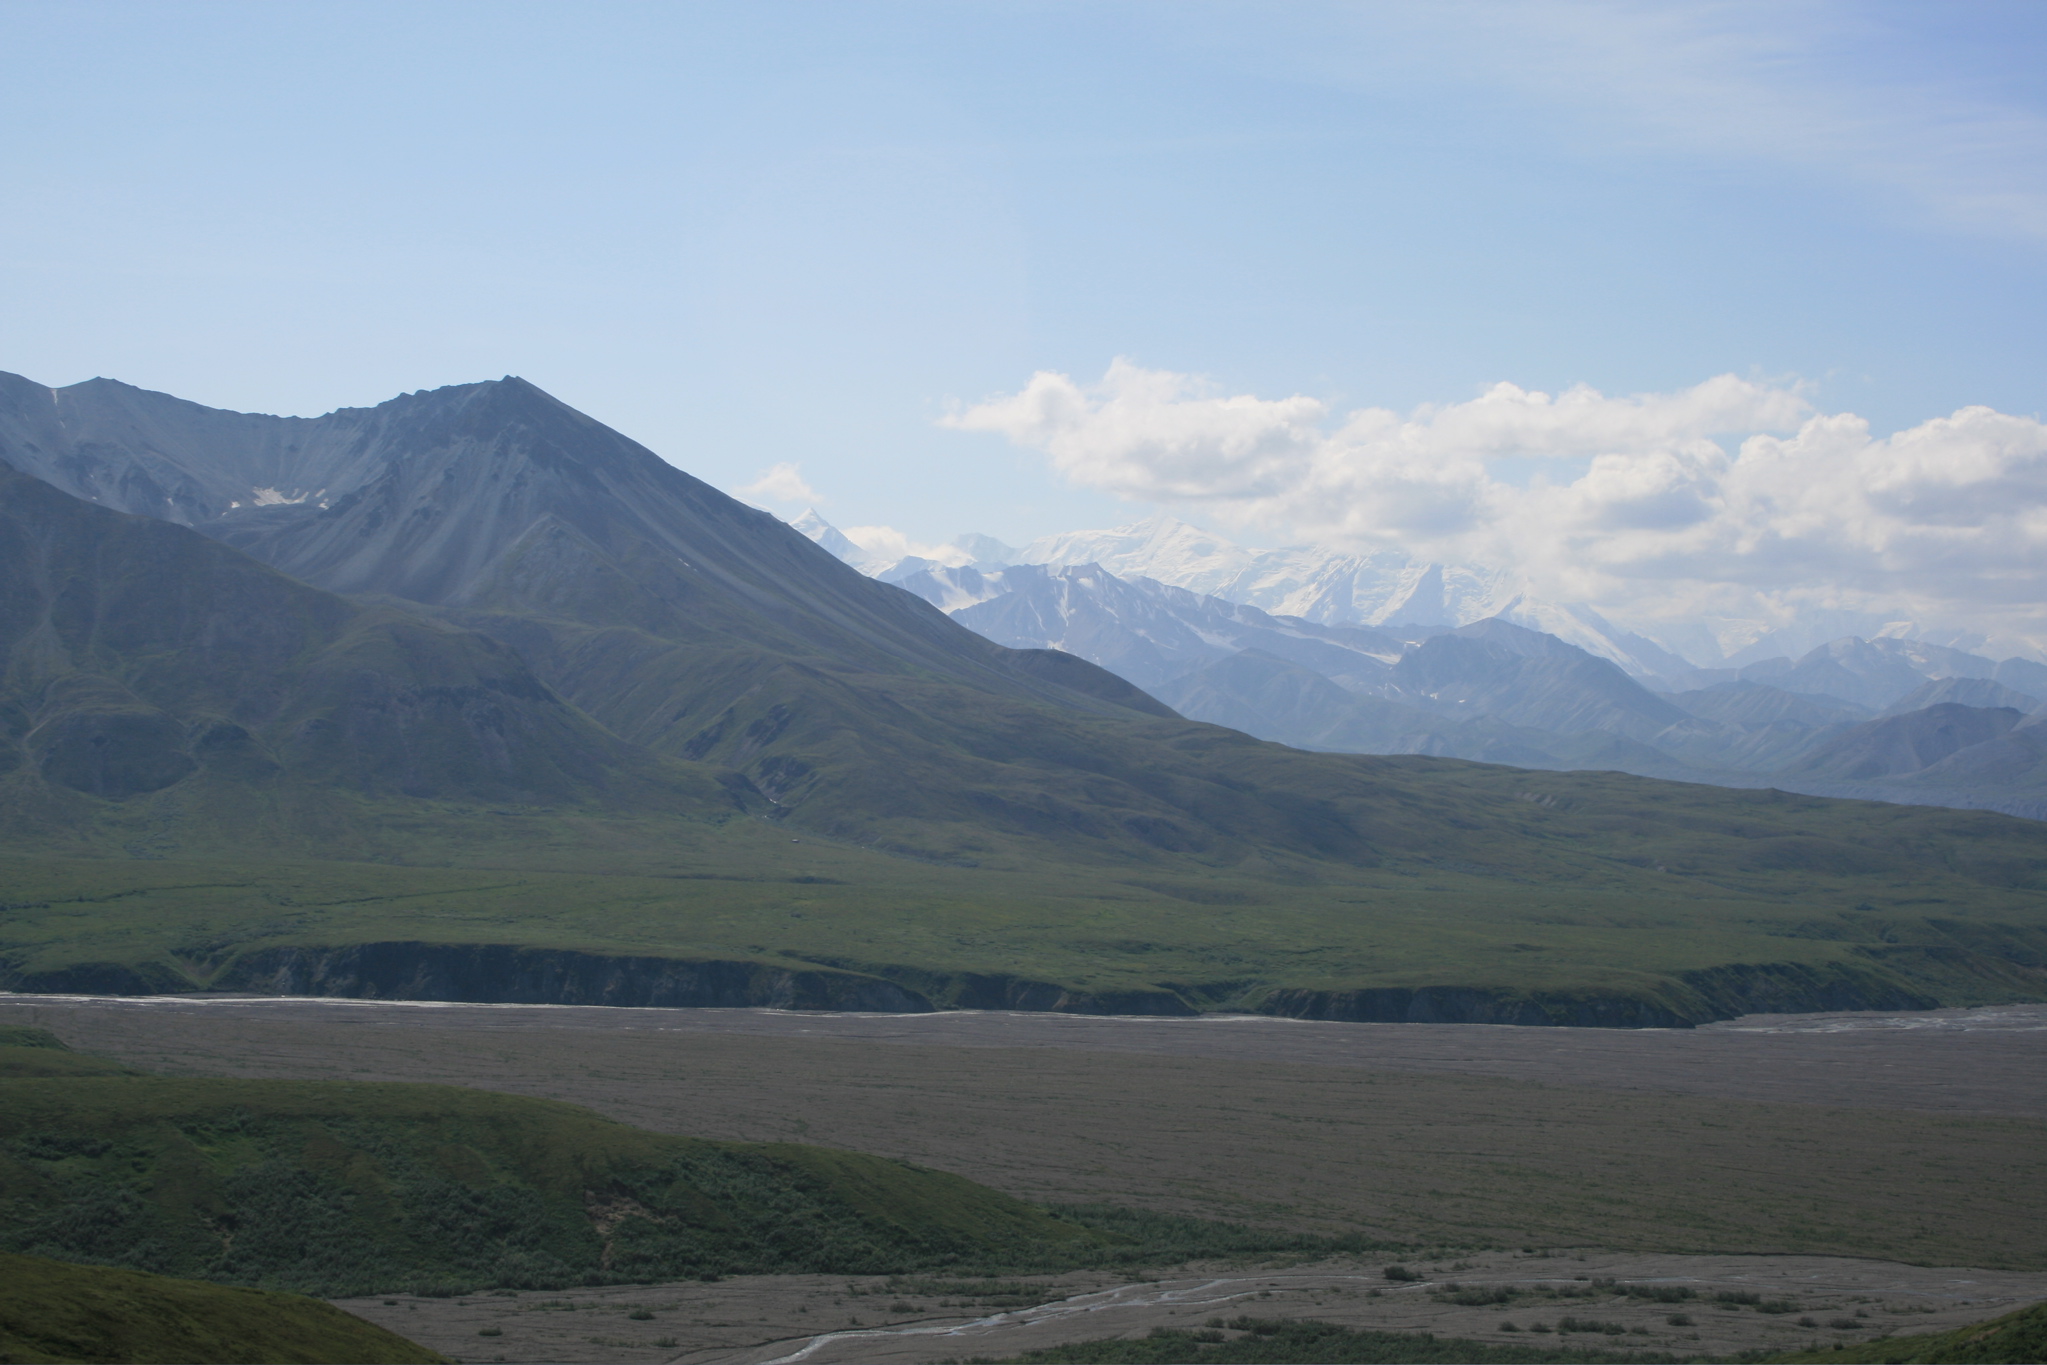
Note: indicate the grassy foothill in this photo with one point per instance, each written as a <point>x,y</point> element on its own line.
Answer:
<point>53,1313</point>
<point>340,1188</point>
<point>343,1188</point>
<point>1690,904</point>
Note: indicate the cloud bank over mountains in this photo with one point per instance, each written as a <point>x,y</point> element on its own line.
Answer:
<point>1733,501</point>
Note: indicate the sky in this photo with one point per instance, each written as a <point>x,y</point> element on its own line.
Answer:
<point>843,253</point>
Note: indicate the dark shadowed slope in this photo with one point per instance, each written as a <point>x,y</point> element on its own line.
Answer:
<point>1524,677</point>
<point>136,656</point>
<point>1905,743</point>
<point>1979,692</point>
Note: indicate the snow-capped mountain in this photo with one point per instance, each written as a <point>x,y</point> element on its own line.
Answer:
<point>1146,631</point>
<point>1312,583</point>
<point>1336,589</point>
<point>834,540</point>
<point>1321,586</point>
<point>1535,684</point>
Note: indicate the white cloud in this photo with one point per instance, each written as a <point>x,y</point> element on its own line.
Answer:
<point>781,483</point>
<point>1653,517</point>
<point>885,545</point>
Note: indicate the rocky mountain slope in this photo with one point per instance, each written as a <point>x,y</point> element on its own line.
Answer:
<point>137,655</point>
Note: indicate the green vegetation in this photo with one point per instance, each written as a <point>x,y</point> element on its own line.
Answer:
<point>1685,903</point>
<point>15,1035</point>
<point>338,1188</point>
<point>24,1062</point>
<point>1281,1341</point>
<point>1145,1237</point>
<point>26,1052</point>
<point>342,1188</point>
<point>2014,1339</point>
<point>52,1312</point>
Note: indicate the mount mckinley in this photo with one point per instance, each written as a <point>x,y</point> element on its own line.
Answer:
<point>467,696</point>
<point>1380,655</point>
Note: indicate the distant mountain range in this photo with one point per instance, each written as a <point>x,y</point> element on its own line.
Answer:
<point>1378,655</point>
<point>468,696</point>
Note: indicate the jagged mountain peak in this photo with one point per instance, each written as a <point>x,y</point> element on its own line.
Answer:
<point>157,455</point>
<point>497,497</point>
<point>986,551</point>
<point>1501,633</point>
<point>813,526</point>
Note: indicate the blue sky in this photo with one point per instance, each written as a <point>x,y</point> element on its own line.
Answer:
<point>770,233</point>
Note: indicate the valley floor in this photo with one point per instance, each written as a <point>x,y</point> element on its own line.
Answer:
<point>1844,1161</point>
<point>784,1319</point>
<point>1905,1137</point>
<point>1987,1060</point>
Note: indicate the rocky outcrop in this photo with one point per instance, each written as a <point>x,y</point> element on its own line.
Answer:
<point>1001,991</point>
<point>1797,988</point>
<point>1691,998</point>
<point>976,991</point>
<point>1472,1005</point>
<point>97,978</point>
<point>1895,978</point>
<point>492,973</point>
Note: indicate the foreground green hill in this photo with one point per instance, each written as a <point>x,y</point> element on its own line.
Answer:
<point>55,1314</point>
<point>338,1188</point>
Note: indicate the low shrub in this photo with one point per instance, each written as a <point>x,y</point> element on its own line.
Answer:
<point>1659,1293</point>
<point>1571,1324</point>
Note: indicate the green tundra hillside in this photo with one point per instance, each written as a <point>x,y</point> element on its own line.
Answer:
<point>57,1314</point>
<point>338,1188</point>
